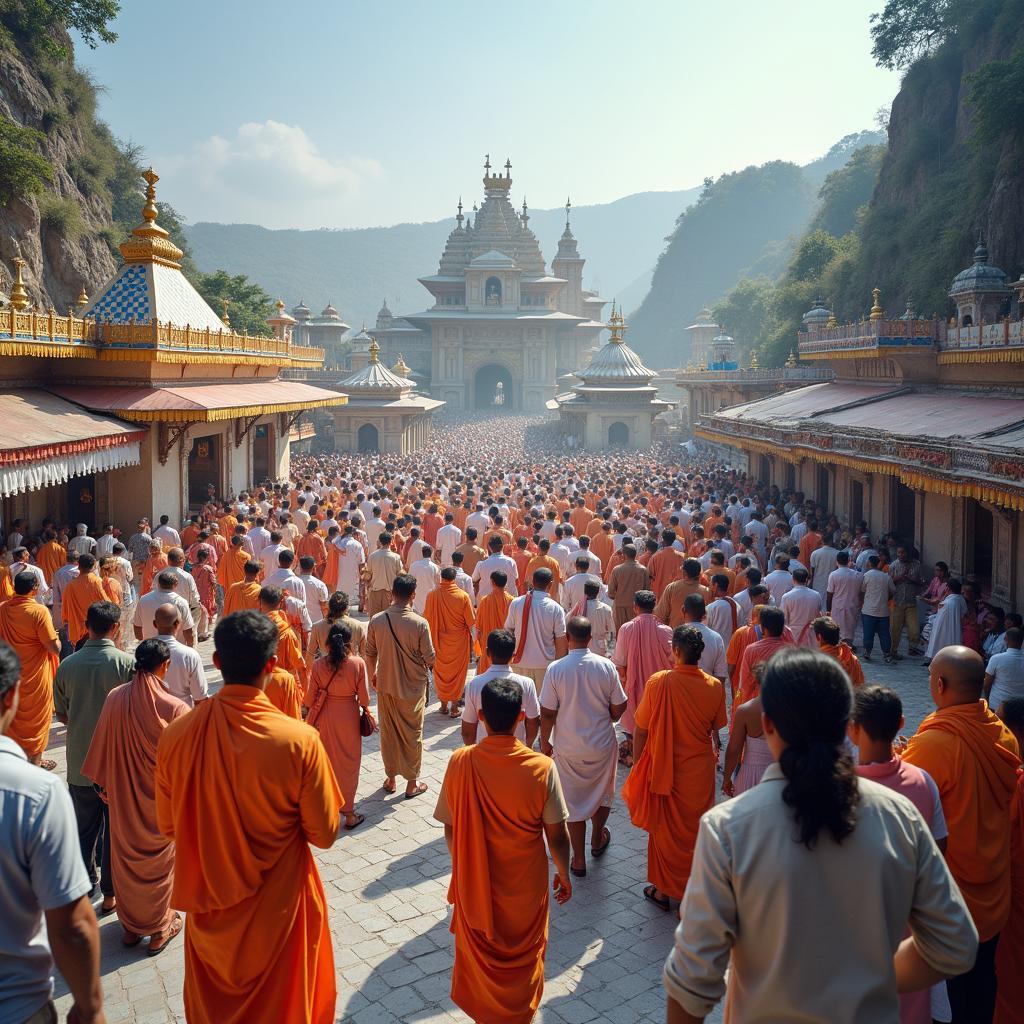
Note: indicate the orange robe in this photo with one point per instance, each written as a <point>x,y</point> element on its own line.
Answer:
<point>152,568</point>
<point>85,589</point>
<point>122,761</point>
<point>843,653</point>
<point>289,650</point>
<point>673,783</point>
<point>113,589</point>
<point>542,562</point>
<point>332,568</point>
<point>755,653</point>
<point>449,613</point>
<point>241,596</point>
<point>975,762</point>
<point>490,615</point>
<point>312,545</point>
<point>243,790</point>
<point>231,568</point>
<point>6,586</point>
<point>26,626</point>
<point>665,565</point>
<point>51,557</point>
<point>1010,951</point>
<point>496,792</point>
<point>604,547</point>
<point>283,692</point>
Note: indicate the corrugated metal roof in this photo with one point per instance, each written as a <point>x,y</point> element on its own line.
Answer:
<point>31,418</point>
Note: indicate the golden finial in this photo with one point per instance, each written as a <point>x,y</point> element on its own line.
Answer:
<point>791,359</point>
<point>374,349</point>
<point>149,243</point>
<point>83,297</point>
<point>753,360</point>
<point>149,211</point>
<point>400,368</point>
<point>703,362</point>
<point>19,296</point>
<point>877,313</point>
<point>224,312</point>
<point>832,321</point>
<point>618,326</point>
<point>279,306</point>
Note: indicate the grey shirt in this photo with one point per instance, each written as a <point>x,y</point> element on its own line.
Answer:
<point>40,869</point>
<point>811,933</point>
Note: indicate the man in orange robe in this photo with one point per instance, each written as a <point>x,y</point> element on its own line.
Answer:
<point>283,692</point>
<point>289,649</point>
<point>498,803</point>
<point>231,567</point>
<point>975,761</point>
<point>122,762</point>
<point>491,615</point>
<point>675,751</point>
<point>243,790</point>
<point>246,593</point>
<point>666,564</point>
<point>1010,952</point>
<point>153,566</point>
<point>826,632</point>
<point>27,627</point>
<point>85,589</point>
<point>51,556</point>
<point>311,544</point>
<point>449,613</point>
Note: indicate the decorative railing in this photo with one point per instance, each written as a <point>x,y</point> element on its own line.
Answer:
<point>870,334</point>
<point>152,336</point>
<point>760,375</point>
<point>1004,334</point>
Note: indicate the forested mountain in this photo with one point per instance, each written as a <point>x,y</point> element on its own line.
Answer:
<point>906,218</point>
<point>744,225</point>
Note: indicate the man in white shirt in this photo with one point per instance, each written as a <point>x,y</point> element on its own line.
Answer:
<point>462,579</point>
<point>599,614</point>
<point>780,580</point>
<point>478,520</point>
<point>167,534</point>
<point>375,526</point>
<point>82,543</point>
<point>759,533</point>
<point>842,596</point>
<point>1004,674</point>
<point>823,564</point>
<point>801,606</point>
<point>61,578</point>
<point>593,562</point>
<point>572,588</point>
<point>124,572</point>
<point>105,541</point>
<point>352,558</point>
<point>563,552</point>
<point>186,583</point>
<point>449,537</point>
<point>712,659</point>
<point>22,564</point>
<point>163,592</point>
<point>501,645</point>
<point>581,700</point>
<point>268,556</point>
<point>259,537</point>
<point>724,615</point>
<point>316,590</point>
<point>495,562</point>
<point>284,578</point>
<point>427,574</point>
<point>876,588</point>
<point>185,677</point>
<point>538,624</point>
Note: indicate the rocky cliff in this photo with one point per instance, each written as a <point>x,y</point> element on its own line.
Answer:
<point>65,231</point>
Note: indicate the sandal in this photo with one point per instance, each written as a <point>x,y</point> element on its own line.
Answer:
<point>578,872</point>
<point>130,939</point>
<point>649,892</point>
<point>421,788</point>
<point>389,787</point>
<point>360,818</point>
<point>456,713</point>
<point>104,910</point>
<point>48,765</point>
<point>443,709</point>
<point>599,851</point>
<point>176,925</point>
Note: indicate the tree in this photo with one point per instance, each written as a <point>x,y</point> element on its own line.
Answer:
<point>23,172</point>
<point>846,190</point>
<point>248,304</point>
<point>996,97</point>
<point>746,312</point>
<point>907,29</point>
<point>36,24</point>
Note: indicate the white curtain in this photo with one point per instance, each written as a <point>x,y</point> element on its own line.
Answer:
<point>30,476</point>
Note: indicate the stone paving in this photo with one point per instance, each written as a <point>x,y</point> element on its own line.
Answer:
<point>386,886</point>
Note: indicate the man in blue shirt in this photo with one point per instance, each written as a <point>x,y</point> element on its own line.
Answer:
<point>41,876</point>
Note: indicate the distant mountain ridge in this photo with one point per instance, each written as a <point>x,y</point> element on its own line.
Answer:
<point>356,268</point>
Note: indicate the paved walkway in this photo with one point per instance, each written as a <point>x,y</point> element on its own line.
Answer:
<point>386,887</point>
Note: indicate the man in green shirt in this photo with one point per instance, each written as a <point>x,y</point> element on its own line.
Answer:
<point>80,688</point>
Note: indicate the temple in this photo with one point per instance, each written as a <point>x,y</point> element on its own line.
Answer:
<point>920,433</point>
<point>144,402</point>
<point>615,403</point>
<point>501,329</point>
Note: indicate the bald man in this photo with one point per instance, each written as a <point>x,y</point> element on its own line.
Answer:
<point>186,678</point>
<point>974,760</point>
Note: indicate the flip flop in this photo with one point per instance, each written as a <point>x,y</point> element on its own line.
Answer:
<point>578,872</point>
<point>599,851</point>
<point>360,818</point>
<point>421,788</point>
<point>106,911</point>
<point>649,892</point>
<point>456,713</point>
<point>176,925</point>
<point>130,939</point>
<point>47,765</point>
<point>389,789</point>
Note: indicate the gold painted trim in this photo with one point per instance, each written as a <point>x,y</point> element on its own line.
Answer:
<point>42,350</point>
<point>213,415</point>
<point>1004,355</point>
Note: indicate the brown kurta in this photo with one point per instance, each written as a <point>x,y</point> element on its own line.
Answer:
<point>623,583</point>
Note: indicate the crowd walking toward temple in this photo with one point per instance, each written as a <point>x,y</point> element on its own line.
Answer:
<point>676,624</point>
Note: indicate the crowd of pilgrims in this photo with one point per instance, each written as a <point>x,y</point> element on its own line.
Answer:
<point>579,615</point>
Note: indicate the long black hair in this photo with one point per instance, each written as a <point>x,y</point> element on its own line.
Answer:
<point>808,698</point>
<point>339,640</point>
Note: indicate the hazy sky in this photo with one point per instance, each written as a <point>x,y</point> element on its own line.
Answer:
<point>331,113</point>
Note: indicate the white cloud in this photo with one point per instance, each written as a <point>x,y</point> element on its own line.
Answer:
<point>269,173</point>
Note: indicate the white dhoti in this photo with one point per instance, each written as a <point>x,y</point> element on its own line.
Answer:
<point>848,617</point>
<point>588,783</point>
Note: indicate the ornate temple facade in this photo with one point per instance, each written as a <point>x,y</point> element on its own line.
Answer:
<point>615,403</point>
<point>144,402</point>
<point>920,433</point>
<point>501,328</point>
<point>326,331</point>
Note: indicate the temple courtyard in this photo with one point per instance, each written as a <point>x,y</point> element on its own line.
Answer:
<point>386,885</point>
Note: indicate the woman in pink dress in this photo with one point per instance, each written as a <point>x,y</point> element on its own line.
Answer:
<point>206,583</point>
<point>336,694</point>
<point>747,750</point>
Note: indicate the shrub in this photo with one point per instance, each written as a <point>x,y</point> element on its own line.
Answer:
<point>23,171</point>
<point>61,215</point>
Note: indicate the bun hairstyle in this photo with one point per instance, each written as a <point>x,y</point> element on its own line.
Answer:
<point>151,654</point>
<point>808,698</point>
<point>688,641</point>
<point>339,639</point>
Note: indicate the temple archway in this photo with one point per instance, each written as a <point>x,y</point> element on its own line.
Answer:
<point>618,435</point>
<point>368,439</point>
<point>492,389</point>
<point>492,292</point>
